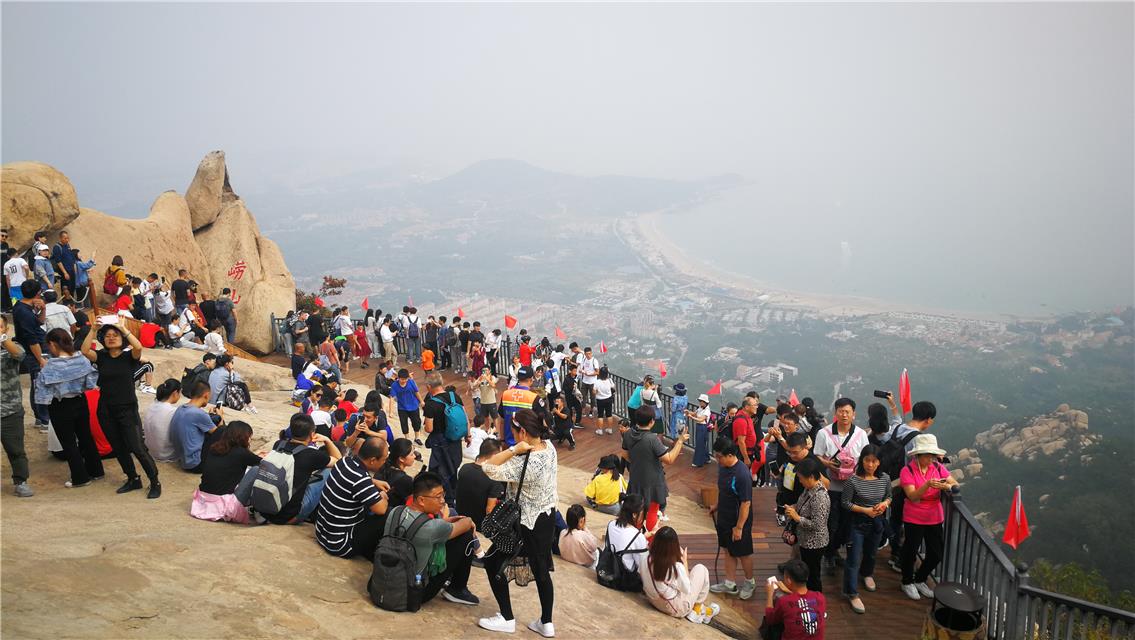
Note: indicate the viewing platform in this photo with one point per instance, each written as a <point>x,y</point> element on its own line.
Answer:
<point>1011,607</point>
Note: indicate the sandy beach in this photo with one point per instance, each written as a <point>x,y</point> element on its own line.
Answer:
<point>681,266</point>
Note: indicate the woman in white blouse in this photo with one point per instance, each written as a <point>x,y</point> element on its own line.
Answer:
<point>669,583</point>
<point>537,500</point>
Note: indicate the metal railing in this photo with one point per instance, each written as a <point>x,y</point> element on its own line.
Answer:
<point>1013,609</point>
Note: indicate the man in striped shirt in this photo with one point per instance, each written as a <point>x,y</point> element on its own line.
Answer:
<point>343,525</point>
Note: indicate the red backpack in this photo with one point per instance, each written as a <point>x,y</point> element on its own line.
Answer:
<point>110,282</point>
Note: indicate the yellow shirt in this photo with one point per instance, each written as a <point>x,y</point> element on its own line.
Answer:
<point>603,490</point>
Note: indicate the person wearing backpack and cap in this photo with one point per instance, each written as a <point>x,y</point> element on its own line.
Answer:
<point>701,417</point>
<point>446,425</point>
<point>923,481</point>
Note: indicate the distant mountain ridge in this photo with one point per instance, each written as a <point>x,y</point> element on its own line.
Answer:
<point>507,184</point>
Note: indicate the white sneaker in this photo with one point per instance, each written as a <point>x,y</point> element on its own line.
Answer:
<point>663,517</point>
<point>497,623</point>
<point>710,611</point>
<point>695,617</point>
<point>911,592</point>
<point>924,590</point>
<point>598,432</point>
<point>610,431</point>
<point>251,409</point>
<point>145,388</point>
<point>546,630</point>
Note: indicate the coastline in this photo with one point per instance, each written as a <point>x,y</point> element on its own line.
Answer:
<point>746,287</point>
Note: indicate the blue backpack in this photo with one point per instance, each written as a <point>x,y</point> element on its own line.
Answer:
<point>456,422</point>
<point>635,400</point>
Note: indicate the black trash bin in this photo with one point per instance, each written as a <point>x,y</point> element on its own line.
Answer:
<point>956,613</point>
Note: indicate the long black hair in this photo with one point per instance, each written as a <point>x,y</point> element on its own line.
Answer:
<point>630,509</point>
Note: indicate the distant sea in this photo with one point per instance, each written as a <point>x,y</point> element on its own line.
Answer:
<point>949,261</point>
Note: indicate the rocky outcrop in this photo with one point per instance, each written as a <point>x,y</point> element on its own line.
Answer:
<point>36,197</point>
<point>210,232</point>
<point>263,287</point>
<point>161,243</point>
<point>1061,436</point>
<point>209,191</point>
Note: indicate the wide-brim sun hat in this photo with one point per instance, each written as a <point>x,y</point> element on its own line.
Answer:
<point>926,443</point>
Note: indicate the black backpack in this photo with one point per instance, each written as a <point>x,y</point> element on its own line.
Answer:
<point>725,427</point>
<point>611,573</point>
<point>892,454</point>
<point>395,584</point>
<point>200,372</point>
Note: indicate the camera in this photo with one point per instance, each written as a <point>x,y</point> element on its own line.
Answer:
<point>881,394</point>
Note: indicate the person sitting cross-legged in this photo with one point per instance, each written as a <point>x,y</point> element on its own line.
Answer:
<point>353,505</point>
<point>455,532</point>
<point>671,585</point>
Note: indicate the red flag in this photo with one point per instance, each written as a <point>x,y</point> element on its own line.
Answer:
<point>602,347</point>
<point>715,390</point>
<point>460,313</point>
<point>662,368</point>
<point>560,335</point>
<point>509,322</point>
<point>792,399</point>
<point>904,392</point>
<point>365,305</point>
<point>1017,528</point>
<point>318,301</point>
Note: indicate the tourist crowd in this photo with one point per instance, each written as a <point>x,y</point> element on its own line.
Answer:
<point>842,491</point>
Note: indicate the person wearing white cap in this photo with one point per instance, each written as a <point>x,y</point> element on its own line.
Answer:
<point>923,481</point>
<point>42,270</point>
<point>700,418</point>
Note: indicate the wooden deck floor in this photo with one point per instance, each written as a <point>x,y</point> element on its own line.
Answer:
<point>890,614</point>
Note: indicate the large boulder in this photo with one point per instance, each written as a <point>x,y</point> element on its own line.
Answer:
<point>36,197</point>
<point>209,190</point>
<point>264,287</point>
<point>161,243</point>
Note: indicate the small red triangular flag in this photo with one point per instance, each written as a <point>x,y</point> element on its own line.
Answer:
<point>560,335</point>
<point>1017,528</point>
<point>318,301</point>
<point>366,304</point>
<point>662,368</point>
<point>509,322</point>
<point>792,399</point>
<point>904,392</point>
<point>460,313</point>
<point>714,390</point>
<point>602,347</point>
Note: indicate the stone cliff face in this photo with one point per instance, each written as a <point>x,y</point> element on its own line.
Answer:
<point>1061,436</point>
<point>210,232</point>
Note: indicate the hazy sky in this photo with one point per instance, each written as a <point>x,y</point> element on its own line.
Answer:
<point>973,106</point>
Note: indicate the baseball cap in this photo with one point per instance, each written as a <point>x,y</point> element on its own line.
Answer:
<point>524,372</point>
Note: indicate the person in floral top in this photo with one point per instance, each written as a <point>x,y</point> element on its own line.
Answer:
<point>537,500</point>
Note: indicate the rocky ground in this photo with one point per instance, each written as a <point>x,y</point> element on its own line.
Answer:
<point>89,563</point>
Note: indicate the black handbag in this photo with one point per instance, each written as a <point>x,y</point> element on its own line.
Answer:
<point>502,525</point>
<point>789,533</point>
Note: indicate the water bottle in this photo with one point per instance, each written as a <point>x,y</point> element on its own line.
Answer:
<point>418,580</point>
